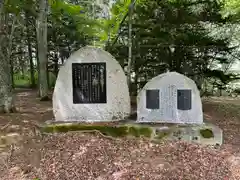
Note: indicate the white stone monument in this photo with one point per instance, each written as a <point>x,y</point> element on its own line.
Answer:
<point>170,98</point>
<point>91,87</point>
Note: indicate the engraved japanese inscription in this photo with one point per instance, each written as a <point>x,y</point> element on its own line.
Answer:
<point>89,83</point>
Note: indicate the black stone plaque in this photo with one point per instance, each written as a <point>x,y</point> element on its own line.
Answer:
<point>184,99</point>
<point>89,83</point>
<point>152,99</point>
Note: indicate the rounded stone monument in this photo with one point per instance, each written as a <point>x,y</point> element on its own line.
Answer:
<point>170,98</point>
<point>91,87</point>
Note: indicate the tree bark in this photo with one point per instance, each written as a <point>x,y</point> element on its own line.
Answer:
<point>56,64</point>
<point>6,89</point>
<point>37,58</point>
<point>130,44</point>
<point>22,64</point>
<point>42,49</point>
<point>32,77</point>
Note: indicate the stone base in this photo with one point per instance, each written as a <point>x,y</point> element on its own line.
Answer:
<point>205,134</point>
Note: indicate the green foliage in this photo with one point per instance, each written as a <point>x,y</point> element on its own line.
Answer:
<point>237,91</point>
<point>231,8</point>
<point>68,22</point>
<point>111,26</point>
<point>222,76</point>
<point>13,6</point>
<point>167,35</point>
<point>170,35</point>
<point>67,10</point>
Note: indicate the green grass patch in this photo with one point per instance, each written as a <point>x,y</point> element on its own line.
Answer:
<point>25,80</point>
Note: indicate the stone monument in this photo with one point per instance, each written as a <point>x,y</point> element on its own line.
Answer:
<point>170,98</point>
<point>91,87</point>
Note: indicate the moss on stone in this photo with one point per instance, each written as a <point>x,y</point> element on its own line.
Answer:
<point>109,130</point>
<point>113,131</point>
<point>206,133</point>
<point>106,130</point>
<point>138,131</point>
<point>146,131</point>
<point>133,131</point>
<point>162,134</point>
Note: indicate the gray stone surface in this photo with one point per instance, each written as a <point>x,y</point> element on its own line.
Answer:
<point>174,103</point>
<point>117,106</point>
<point>189,133</point>
<point>192,134</point>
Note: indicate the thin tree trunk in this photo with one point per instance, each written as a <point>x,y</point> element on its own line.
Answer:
<point>69,49</point>
<point>56,64</point>
<point>48,78</point>
<point>22,65</point>
<point>136,69</point>
<point>213,86</point>
<point>38,64</point>
<point>130,43</point>
<point>62,60</point>
<point>42,50</point>
<point>32,77</point>
<point>12,73</point>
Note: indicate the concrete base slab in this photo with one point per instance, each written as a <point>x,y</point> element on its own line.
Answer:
<point>205,134</point>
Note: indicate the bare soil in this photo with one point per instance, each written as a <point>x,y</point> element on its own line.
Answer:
<point>26,154</point>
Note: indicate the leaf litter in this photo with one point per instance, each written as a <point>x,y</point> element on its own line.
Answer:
<point>78,156</point>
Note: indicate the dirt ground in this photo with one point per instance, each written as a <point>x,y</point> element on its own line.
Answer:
<point>26,154</point>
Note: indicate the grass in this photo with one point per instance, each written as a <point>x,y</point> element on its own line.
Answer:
<point>25,81</point>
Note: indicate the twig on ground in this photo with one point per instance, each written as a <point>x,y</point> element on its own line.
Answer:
<point>4,127</point>
<point>100,133</point>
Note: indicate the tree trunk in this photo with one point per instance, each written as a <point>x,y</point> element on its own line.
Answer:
<point>22,64</point>
<point>42,50</point>
<point>37,58</point>
<point>55,60</point>
<point>48,78</point>
<point>56,64</point>
<point>32,77</point>
<point>12,73</point>
<point>6,89</point>
<point>130,44</point>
